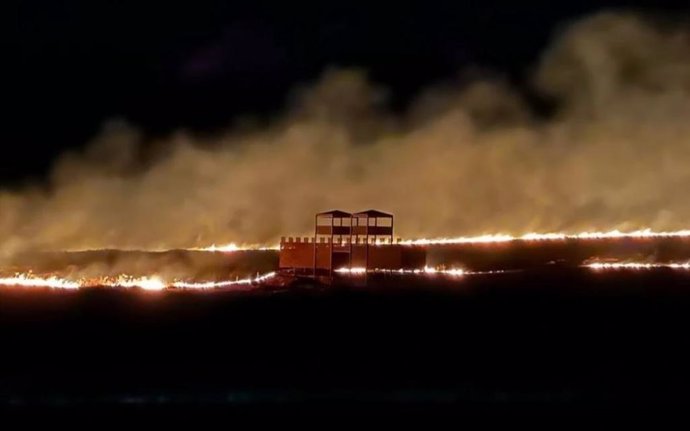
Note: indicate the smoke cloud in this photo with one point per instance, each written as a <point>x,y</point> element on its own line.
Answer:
<point>470,158</point>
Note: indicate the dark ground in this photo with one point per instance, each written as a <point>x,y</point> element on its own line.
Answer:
<point>548,341</point>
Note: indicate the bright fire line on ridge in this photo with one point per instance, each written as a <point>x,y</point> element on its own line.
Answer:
<point>156,283</point>
<point>491,239</point>
<point>553,236</point>
<point>495,238</point>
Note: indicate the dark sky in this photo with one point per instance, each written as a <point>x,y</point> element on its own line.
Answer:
<point>163,65</point>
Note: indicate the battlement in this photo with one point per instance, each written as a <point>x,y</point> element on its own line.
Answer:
<point>340,241</point>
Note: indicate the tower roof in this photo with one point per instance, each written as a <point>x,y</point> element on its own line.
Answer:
<point>372,213</point>
<point>334,214</point>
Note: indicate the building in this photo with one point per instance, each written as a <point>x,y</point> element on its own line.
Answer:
<point>349,240</point>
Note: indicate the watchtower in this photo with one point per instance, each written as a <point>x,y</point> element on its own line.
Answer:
<point>332,225</point>
<point>342,240</point>
<point>372,226</point>
<point>332,240</point>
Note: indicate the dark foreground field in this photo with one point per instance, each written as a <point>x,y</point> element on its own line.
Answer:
<point>544,341</point>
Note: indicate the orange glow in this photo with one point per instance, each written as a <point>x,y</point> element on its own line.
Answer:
<point>476,239</point>
<point>553,236</point>
<point>232,247</point>
<point>599,266</point>
<point>30,280</point>
<point>426,270</point>
<point>492,238</point>
<point>151,283</point>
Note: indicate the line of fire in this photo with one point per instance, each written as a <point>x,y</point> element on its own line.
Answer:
<point>348,240</point>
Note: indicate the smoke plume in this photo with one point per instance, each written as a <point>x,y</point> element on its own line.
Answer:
<point>470,158</point>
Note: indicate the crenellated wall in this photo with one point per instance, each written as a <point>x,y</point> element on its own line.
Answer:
<point>299,253</point>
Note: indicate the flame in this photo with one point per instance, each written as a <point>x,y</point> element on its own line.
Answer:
<point>157,283</point>
<point>455,272</point>
<point>218,284</point>
<point>489,239</point>
<point>30,280</point>
<point>150,283</point>
<point>603,266</point>
<point>145,283</point>
<point>232,247</point>
<point>477,239</point>
<point>552,236</point>
<point>224,248</point>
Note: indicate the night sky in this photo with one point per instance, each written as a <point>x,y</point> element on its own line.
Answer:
<point>73,65</point>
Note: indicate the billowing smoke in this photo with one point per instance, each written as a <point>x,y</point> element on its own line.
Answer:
<point>469,158</point>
